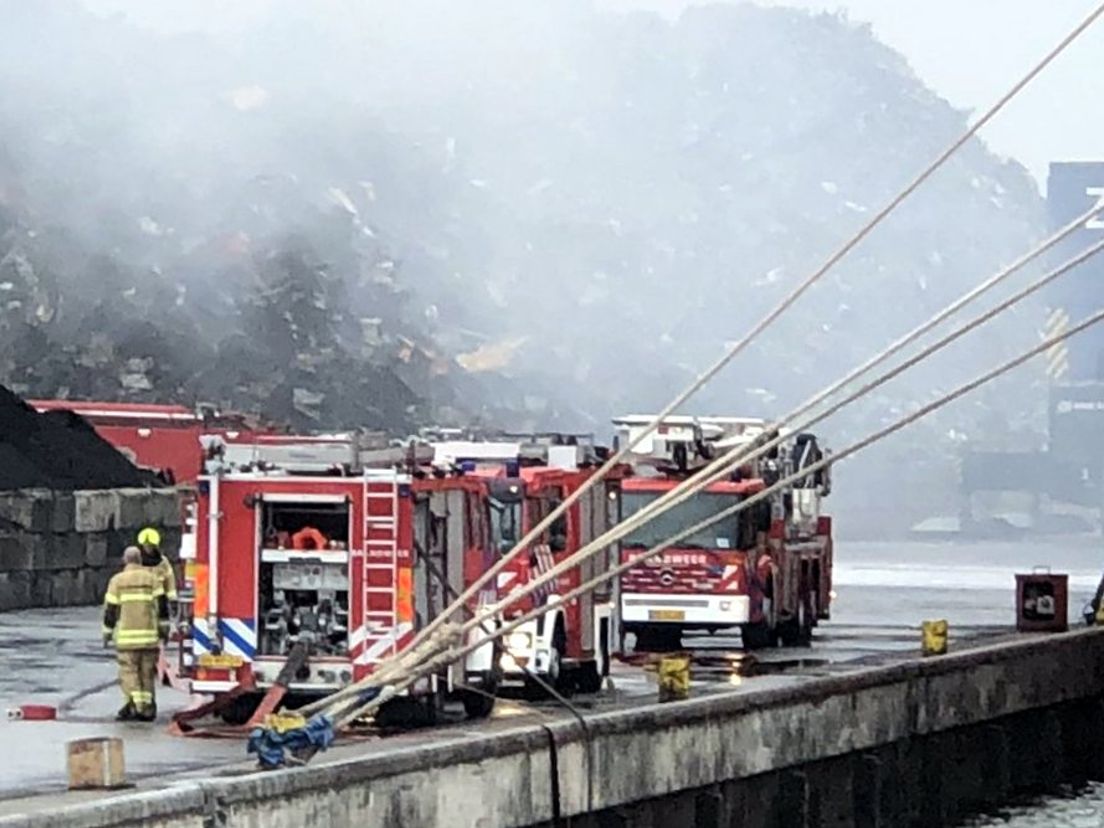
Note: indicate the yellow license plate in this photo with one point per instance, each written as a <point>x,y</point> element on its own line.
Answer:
<point>666,615</point>
<point>220,662</point>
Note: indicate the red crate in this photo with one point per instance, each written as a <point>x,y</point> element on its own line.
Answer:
<point>1042,602</point>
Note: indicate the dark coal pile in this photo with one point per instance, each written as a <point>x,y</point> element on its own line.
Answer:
<point>58,450</point>
<point>532,214</point>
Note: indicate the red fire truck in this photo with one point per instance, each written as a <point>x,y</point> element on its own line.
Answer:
<point>766,570</point>
<point>568,647</point>
<point>162,438</point>
<point>351,560</point>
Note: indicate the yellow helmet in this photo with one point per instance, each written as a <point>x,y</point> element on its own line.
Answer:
<point>149,537</point>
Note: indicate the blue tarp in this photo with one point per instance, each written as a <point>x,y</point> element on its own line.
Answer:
<point>318,732</point>
<point>269,745</point>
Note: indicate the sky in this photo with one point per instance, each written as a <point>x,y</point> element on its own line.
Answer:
<point>969,51</point>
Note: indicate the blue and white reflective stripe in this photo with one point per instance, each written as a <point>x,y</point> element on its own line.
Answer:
<point>201,637</point>
<point>239,637</point>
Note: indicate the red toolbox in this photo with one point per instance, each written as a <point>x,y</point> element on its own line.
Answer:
<point>1042,602</point>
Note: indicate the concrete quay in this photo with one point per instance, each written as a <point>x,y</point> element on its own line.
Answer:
<point>914,742</point>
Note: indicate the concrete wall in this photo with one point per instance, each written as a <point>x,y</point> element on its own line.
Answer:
<point>910,744</point>
<point>60,548</point>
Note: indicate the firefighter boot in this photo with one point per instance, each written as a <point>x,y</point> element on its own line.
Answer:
<point>146,697</point>
<point>148,712</point>
<point>126,713</point>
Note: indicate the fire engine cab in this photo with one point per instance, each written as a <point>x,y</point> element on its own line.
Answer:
<point>348,558</point>
<point>766,570</point>
<point>569,647</point>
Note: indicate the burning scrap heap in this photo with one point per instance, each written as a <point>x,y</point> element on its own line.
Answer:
<point>273,330</point>
<point>504,214</point>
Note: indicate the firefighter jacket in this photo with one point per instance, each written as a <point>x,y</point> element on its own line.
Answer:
<point>167,576</point>
<point>165,573</point>
<point>135,609</point>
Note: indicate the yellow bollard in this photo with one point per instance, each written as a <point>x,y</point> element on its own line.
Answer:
<point>674,678</point>
<point>934,637</point>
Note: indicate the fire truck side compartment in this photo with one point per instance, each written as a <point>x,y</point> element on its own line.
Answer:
<point>302,597</point>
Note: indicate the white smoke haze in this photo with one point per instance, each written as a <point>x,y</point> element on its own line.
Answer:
<point>534,214</point>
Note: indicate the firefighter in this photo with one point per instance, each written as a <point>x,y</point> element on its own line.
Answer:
<point>149,539</point>
<point>136,616</point>
<point>1097,605</point>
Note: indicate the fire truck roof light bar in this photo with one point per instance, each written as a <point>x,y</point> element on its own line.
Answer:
<point>297,497</point>
<point>682,432</point>
<point>466,453</point>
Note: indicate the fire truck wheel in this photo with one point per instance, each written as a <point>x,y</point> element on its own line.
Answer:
<point>797,631</point>
<point>478,704</point>
<point>757,635</point>
<point>403,712</point>
<point>657,638</point>
<point>241,709</point>
<point>589,679</point>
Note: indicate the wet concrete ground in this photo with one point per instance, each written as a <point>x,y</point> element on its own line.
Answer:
<point>56,657</point>
<point>62,648</point>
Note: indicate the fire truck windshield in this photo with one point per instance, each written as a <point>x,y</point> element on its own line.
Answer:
<point>505,522</point>
<point>721,535</point>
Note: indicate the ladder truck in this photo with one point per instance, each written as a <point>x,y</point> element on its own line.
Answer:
<point>526,477</point>
<point>766,570</point>
<point>317,543</point>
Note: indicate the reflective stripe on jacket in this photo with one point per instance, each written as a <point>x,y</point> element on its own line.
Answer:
<point>167,576</point>
<point>135,608</point>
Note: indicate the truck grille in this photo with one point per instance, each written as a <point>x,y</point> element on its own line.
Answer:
<point>688,573</point>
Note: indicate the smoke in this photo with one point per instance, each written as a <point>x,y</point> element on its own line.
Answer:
<point>534,213</point>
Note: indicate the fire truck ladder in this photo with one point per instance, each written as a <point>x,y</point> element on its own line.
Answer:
<point>381,555</point>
